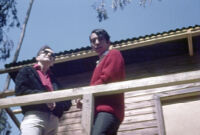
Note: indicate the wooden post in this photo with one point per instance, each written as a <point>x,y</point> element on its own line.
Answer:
<point>12,116</point>
<point>87,113</point>
<point>190,44</point>
<point>159,115</point>
<point>20,42</point>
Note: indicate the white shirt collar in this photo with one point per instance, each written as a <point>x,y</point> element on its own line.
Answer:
<point>101,57</point>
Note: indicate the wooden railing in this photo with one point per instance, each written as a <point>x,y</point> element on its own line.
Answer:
<point>88,93</point>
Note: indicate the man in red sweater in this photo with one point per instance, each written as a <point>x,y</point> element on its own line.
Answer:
<point>109,110</point>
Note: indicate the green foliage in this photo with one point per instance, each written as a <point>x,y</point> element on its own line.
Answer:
<point>4,125</point>
<point>100,7</point>
<point>8,19</point>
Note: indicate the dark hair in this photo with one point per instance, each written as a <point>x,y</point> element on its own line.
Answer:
<point>43,48</point>
<point>101,33</point>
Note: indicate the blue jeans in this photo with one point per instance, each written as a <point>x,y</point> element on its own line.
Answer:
<point>105,124</point>
<point>39,123</point>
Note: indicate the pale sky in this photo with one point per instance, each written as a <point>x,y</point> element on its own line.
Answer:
<point>66,24</point>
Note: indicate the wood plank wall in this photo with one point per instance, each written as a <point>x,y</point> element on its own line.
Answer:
<point>140,113</point>
<point>70,123</point>
<point>157,67</point>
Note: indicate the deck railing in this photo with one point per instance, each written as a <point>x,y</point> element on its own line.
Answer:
<point>88,93</point>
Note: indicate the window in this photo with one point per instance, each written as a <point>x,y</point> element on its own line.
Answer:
<point>178,112</point>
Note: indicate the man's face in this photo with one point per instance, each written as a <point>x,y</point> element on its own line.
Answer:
<point>99,43</point>
<point>46,56</point>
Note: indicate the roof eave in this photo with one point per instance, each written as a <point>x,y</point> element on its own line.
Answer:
<point>126,45</point>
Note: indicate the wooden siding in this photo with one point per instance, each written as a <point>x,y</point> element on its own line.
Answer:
<point>165,66</point>
<point>76,80</point>
<point>146,69</point>
<point>140,113</point>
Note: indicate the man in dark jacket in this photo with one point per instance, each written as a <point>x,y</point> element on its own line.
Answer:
<point>40,119</point>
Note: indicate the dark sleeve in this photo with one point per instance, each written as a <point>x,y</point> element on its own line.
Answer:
<point>113,69</point>
<point>61,107</point>
<point>24,82</point>
<point>64,105</point>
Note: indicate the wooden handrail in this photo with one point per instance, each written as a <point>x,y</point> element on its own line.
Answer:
<point>106,89</point>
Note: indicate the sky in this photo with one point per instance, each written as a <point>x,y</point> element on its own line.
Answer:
<point>66,24</point>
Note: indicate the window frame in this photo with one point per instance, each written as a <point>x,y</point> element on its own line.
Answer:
<point>167,96</point>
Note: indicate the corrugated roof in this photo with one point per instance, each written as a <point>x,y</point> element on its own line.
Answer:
<point>121,45</point>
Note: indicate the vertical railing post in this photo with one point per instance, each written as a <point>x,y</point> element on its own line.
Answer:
<point>159,115</point>
<point>87,113</point>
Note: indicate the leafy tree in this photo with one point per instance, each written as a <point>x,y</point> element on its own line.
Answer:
<point>8,19</point>
<point>100,7</point>
<point>4,125</point>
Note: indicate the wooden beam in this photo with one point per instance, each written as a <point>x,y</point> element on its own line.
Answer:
<point>187,92</point>
<point>106,89</point>
<point>190,43</point>
<point>7,93</point>
<point>87,113</point>
<point>17,111</point>
<point>8,110</point>
<point>159,115</point>
<point>12,116</point>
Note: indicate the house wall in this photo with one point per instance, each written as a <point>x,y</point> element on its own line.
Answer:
<point>76,80</point>
<point>140,111</point>
<point>156,67</point>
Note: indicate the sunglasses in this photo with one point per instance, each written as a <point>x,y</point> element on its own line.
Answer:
<point>46,52</point>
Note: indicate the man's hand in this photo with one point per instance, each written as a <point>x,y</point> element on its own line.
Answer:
<point>51,106</point>
<point>79,103</point>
